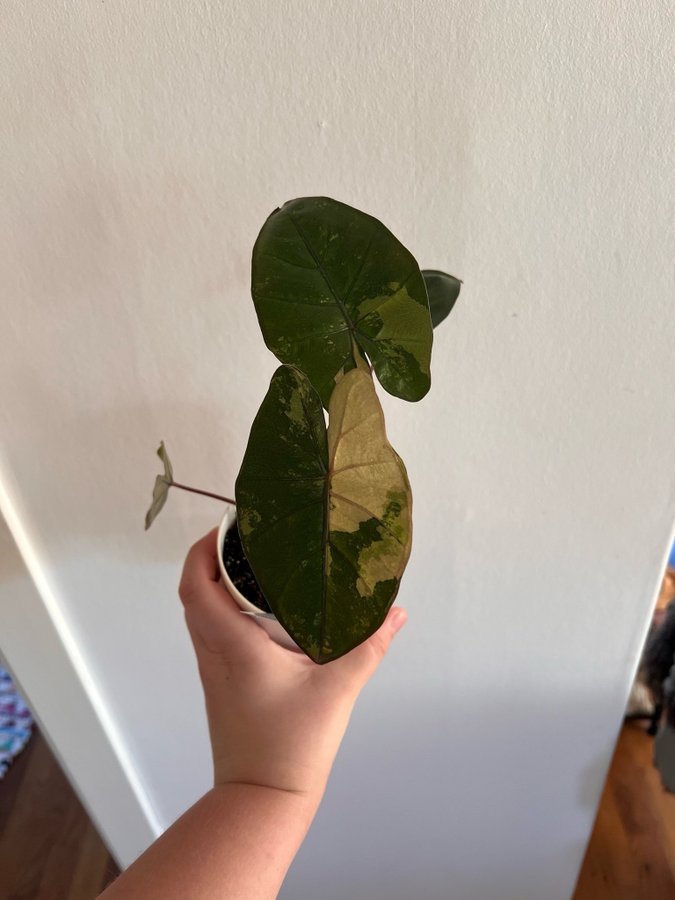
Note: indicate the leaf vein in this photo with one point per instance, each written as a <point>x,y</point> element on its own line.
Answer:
<point>256,534</point>
<point>371,514</point>
<point>321,269</point>
<point>352,565</point>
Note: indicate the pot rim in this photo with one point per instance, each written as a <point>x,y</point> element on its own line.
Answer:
<point>229,518</point>
<point>267,621</point>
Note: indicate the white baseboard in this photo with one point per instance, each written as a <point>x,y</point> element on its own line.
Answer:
<point>39,649</point>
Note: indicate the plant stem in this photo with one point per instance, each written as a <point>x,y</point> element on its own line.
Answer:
<point>184,487</point>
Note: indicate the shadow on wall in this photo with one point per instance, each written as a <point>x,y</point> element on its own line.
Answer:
<point>451,780</point>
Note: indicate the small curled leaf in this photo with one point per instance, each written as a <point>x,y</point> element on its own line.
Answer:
<point>443,291</point>
<point>161,488</point>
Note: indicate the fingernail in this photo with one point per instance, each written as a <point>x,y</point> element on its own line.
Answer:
<point>398,619</point>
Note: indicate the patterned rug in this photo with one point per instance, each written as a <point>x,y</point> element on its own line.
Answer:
<point>16,722</point>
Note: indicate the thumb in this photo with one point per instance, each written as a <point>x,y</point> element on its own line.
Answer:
<point>363,660</point>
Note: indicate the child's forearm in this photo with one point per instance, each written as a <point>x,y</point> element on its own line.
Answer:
<point>275,718</point>
<point>236,843</point>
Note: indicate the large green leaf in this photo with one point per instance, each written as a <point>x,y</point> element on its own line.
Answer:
<point>324,515</point>
<point>330,282</point>
<point>443,291</point>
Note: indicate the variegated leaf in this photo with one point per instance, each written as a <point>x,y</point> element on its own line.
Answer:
<point>330,282</point>
<point>324,515</point>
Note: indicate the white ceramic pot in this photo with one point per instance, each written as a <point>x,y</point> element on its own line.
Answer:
<point>265,620</point>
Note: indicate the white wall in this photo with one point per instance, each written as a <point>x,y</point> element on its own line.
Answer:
<point>524,146</point>
<point>38,647</point>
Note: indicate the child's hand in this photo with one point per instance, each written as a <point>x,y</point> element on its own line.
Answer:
<point>275,717</point>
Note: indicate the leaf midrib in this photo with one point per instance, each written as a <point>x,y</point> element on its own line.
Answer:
<point>324,273</point>
<point>326,493</point>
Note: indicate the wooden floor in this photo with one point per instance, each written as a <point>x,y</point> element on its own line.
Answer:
<point>631,855</point>
<point>49,850</point>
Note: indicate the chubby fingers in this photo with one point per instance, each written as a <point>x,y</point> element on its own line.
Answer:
<point>200,568</point>
<point>212,614</point>
<point>361,662</point>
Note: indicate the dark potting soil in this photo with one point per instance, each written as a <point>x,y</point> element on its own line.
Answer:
<point>240,571</point>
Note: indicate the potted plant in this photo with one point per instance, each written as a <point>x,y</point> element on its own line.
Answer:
<point>320,534</point>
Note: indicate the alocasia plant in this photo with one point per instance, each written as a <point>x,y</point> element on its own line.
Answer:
<point>325,512</point>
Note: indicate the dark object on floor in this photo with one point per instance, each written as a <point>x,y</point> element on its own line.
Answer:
<point>669,697</point>
<point>664,745</point>
<point>664,756</point>
<point>240,571</point>
<point>659,657</point>
<point>646,697</point>
<point>659,669</point>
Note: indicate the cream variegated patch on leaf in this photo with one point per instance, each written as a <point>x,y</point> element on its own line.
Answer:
<point>324,515</point>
